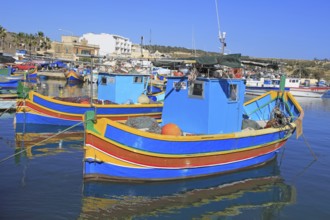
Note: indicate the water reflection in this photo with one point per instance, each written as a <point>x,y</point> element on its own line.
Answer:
<point>45,140</point>
<point>260,189</point>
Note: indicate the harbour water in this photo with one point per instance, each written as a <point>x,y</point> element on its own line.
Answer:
<point>42,179</point>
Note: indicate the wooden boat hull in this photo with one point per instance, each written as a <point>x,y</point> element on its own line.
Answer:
<point>119,152</point>
<point>39,109</point>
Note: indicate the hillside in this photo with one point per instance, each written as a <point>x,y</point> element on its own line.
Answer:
<point>319,69</point>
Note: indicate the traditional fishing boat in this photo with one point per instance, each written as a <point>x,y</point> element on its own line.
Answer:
<point>223,195</point>
<point>119,96</point>
<point>206,129</point>
<point>74,75</point>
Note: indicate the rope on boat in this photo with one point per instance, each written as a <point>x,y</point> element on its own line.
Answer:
<point>309,147</point>
<point>27,148</point>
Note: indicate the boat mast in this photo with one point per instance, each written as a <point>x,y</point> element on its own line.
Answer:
<point>222,36</point>
<point>92,67</point>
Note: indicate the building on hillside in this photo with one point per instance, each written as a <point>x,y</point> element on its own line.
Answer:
<point>139,52</point>
<point>110,45</point>
<point>7,45</point>
<point>71,47</point>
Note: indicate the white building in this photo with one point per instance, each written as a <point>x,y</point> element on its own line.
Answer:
<point>110,45</point>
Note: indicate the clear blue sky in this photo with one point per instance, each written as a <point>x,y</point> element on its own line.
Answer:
<point>291,29</point>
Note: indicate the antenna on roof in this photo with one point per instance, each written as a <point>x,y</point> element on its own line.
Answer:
<point>222,36</point>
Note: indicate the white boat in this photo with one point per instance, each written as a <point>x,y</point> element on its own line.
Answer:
<point>257,87</point>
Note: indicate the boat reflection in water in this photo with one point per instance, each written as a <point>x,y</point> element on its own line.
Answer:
<point>260,189</point>
<point>43,140</point>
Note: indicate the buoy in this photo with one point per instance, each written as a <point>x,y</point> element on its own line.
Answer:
<point>178,74</point>
<point>171,129</point>
<point>84,102</point>
<point>143,99</point>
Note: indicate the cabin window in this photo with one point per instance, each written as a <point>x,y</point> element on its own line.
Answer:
<point>138,79</point>
<point>196,89</point>
<point>233,92</point>
<point>103,81</point>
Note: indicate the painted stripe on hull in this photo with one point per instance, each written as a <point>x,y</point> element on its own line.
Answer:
<point>34,118</point>
<point>113,171</point>
<point>77,108</point>
<point>39,118</point>
<point>33,113</point>
<point>107,151</point>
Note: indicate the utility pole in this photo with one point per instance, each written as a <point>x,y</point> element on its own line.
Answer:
<point>141,46</point>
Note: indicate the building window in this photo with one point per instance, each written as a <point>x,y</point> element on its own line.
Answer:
<point>86,52</point>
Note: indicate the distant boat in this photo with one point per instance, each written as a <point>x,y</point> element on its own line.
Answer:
<point>74,75</point>
<point>8,84</point>
<point>118,97</point>
<point>257,87</point>
<point>206,129</point>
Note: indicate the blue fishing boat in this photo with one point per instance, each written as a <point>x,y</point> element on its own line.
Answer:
<point>119,96</point>
<point>206,129</point>
<point>9,84</point>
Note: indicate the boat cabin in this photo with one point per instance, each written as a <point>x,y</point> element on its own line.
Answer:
<point>204,106</point>
<point>121,88</point>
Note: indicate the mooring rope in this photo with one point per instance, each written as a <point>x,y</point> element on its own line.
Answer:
<point>309,147</point>
<point>27,148</point>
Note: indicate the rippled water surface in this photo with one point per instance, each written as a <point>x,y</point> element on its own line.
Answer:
<point>43,179</point>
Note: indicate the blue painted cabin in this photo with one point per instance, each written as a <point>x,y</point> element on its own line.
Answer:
<point>206,106</point>
<point>121,88</point>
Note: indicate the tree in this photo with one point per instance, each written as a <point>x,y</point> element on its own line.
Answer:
<point>301,72</point>
<point>19,40</point>
<point>3,34</point>
<point>43,41</point>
